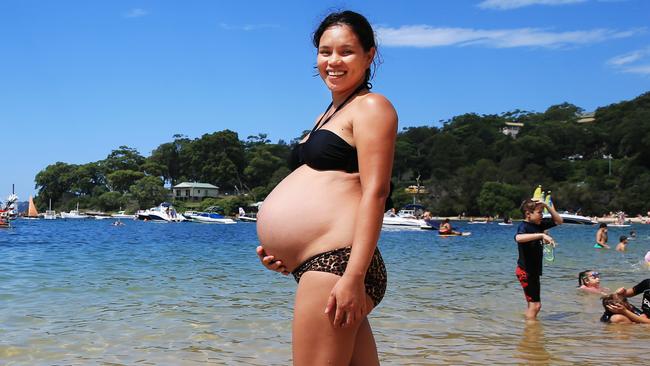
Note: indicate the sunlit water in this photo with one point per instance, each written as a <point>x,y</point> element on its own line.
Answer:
<point>88,293</point>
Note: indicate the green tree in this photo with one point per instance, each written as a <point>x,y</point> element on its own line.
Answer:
<point>149,191</point>
<point>123,158</point>
<point>111,201</point>
<point>498,199</point>
<point>122,180</point>
<point>54,181</point>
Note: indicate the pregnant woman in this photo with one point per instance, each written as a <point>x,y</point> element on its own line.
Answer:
<point>322,222</point>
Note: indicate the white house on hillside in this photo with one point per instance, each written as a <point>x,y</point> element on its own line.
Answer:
<point>194,191</point>
<point>512,129</point>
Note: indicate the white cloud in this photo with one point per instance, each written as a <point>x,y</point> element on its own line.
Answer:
<point>513,4</point>
<point>426,36</point>
<point>247,27</point>
<point>628,57</point>
<point>135,13</point>
<point>640,69</point>
<point>635,62</point>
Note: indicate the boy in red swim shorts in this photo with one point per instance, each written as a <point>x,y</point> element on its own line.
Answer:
<point>530,240</point>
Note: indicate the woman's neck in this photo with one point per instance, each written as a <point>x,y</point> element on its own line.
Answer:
<point>340,98</point>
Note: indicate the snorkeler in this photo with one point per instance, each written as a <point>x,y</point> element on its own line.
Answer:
<point>589,281</point>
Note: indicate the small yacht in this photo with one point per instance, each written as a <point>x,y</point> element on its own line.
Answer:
<point>211,215</point>
<point>164,212</point>
<point>50,214</point>
<point>404,218</point>
<point>122,215</point>
<point>74,214</point>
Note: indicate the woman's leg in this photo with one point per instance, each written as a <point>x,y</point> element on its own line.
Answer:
<point>365,349</point>
<point>315,340</point>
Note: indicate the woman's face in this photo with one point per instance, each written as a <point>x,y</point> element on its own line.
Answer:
<point>342,61</point>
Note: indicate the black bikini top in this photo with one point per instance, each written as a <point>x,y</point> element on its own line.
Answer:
<point>324,149</point>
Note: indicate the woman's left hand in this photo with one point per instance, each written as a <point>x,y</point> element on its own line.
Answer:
<point>348,301</point>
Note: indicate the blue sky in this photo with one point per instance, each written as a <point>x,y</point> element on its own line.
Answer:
<point>80,78</point>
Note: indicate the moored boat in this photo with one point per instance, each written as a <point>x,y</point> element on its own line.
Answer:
<point>209,216</point>
<point>164,212</point>
<point>406,217</point>
<point>122,215</point>
<point>74,214</point>
<point>32,213</point>
<point>50,214</point>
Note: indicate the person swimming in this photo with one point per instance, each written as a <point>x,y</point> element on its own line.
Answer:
<point>589,281</point>
<point>623,243</point>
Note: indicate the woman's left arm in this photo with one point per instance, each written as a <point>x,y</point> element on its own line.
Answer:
<point>374,130</point>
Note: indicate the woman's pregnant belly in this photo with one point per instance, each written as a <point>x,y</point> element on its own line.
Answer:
<point>309,212</point>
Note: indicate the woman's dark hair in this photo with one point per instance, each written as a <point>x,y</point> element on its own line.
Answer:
<point>602,225</point>
<point>581,277</point>
<point>622,237</point>
<point>613,299</point>
<point>361,28</point>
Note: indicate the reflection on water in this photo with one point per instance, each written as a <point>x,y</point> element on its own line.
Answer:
<point>531,348</point>
<point>89,293</point>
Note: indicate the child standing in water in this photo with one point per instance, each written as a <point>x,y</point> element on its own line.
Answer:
<point>530,240</point>
<point>601,237</point>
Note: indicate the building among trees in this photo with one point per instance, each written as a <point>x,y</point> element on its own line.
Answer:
<point>189,191</point>
<point>512,129</point>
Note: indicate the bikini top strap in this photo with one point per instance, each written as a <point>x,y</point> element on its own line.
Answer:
<point>318,125</point>
<point>321,118</point>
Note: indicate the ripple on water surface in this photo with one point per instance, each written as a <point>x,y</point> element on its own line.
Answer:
<point>85,292</point>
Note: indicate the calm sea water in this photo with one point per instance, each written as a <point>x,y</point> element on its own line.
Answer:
<point>88,293</point>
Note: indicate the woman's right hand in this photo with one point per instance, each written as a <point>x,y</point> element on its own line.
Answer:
<point>270,262</point>
<point>616,308</point>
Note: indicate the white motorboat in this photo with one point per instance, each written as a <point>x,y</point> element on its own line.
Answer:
<point>74,214</point>
<point>122,215</point>
<point>165,212</point>
<point>211,215</point>
<point>568,218</point>
<point>403,218</point>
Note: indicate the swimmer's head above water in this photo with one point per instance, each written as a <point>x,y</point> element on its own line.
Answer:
<point>589,278</point>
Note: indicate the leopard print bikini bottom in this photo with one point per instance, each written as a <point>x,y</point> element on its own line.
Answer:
<point>335,261</point>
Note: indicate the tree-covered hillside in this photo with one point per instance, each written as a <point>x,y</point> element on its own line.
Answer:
<point>467,165</point>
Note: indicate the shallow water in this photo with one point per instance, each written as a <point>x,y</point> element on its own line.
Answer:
<point>85,292</point>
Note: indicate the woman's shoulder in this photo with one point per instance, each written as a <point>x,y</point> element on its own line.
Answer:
<point>376,107</point>
<point>375,100</point>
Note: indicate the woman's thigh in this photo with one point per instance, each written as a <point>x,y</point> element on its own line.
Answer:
<point>315,340</point>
